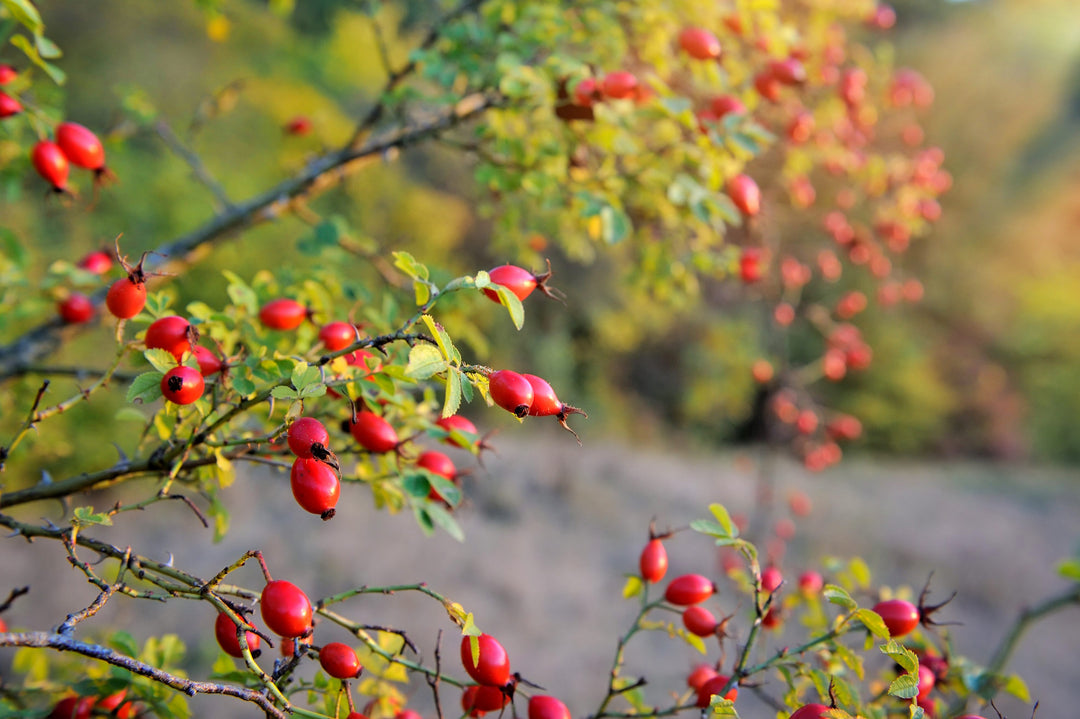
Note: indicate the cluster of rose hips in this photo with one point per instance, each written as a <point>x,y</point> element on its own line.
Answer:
<point>73,145</point>
<point>9,106</point>
<point>689,591</point>
<point>487,663</point>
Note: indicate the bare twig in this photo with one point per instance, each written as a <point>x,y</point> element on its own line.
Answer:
<point>63,643</point>
<point>198,167</point>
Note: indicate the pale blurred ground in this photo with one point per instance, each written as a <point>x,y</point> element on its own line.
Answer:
<point>551,530</point>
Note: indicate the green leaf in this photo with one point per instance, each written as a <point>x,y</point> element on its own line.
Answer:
<point>425,360</point>
<point>873,621</point>
<point>1070,569</point>
<point>446,489</point>
<point>512,304</point>
<point>408,264</point>
<point>416,484</point>
<point>25,12</point>
<point>453,393</point>
<point>244,386</point>
<point>860,572</point>
<point>325,235</point>
<point>633,587</point>
<point>1018,688</point>
<point>917,712</point>
<point>905,687</point>
<point>442,518</point>
<point>693,640</point>
<point>721,707</point>
<point>85,516</point>
<point>283,392</point>
<point>124,643</point>
<point>482,280</point>
<point>709,527</point>
<point>47,48</point>
<point>304,374</point>
<point>146,387</point>
<point>240,293</point>
<point>615,225</point>
<point>838,595</point>
<point>161,360</point>
<point>720,512</point>
<point>442,339</point>
<point>313,390</point>
<point>901,655</point>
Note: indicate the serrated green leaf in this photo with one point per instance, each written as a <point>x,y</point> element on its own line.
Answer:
<point>905,686</point>
<point>873,621</point>
<point>408,264</point>
<point>161,360</point>
<point>244,386</point>
<point>633,587</point>
<point>304,374</point>
<point>425,360</point>
<point>721,707</point>
<point>512,304</point>
<point>453,393</point>
<point>146,387</point>
<point>416,484</point>
<point>916,711</point>
<point>313,390</point>
<point>901,655</point>
<point>86,516</point>
<point>853,661</point>
<point>283,392</point>
<point>709,527</point>
<point>240,293</point>
<point>838,595</point>
<point>443,519</point>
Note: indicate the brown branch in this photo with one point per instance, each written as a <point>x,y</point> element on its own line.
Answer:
<point>198,168</point>
<point>59,642</point>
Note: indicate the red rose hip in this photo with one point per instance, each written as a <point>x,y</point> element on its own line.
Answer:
<point>285,609</point>
<point>492,667</point>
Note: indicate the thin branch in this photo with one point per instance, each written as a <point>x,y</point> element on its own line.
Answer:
<point>322,173</point>
<point>63,643</point>
<point>198,167</point>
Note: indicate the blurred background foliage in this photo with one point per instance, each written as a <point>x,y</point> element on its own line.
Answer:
<point>987,365</point>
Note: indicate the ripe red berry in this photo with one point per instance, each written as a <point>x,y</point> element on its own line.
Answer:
<point>900,616</point>
<point>51,164</point>
<point>801,128</point>
<point>699,43</point>
<point>306,432</point>
<point>182,385</point>
<point>356,715</point>
<point>725,104</point>
<point>315,486</point>
<point>926,681</point>
<point>73,707</point>
<point>99,262</point>
<point>7,74</point>
<point>516,279</point>
<point>713,686</point>
<point>209,363</point>
<point>408,714</point>
<point>810,583</point>
<point>767,86</point>
<point>225,631</point>
<point>653,561</point>
<point>483,700</point>
<point>585,92</point>
<point>457,423</point>
<point>810,711</point>
<point>172,334</point>
<point>771,579</point>
<point>699,621</point>
<point>299,125</point>
<point>438,463</point>
<point>788,72</point>
<point>126,298</point>
<point>620,84</point>
<point>283,314</point>
<point>689,589</point>
<point>374,433</point>
<point>701,674</point>
<point>9,106</point>
<point>76,308</point>
<point>547,707</point>
<point>511,391</point>
<point>746,195</point>
<point>544,403</point>
<point>492,667</point>
<point>337,335</point>
<point>285,608</point>
<point>340,661</point>
<point>80,146</point>
<point>750,265</point>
